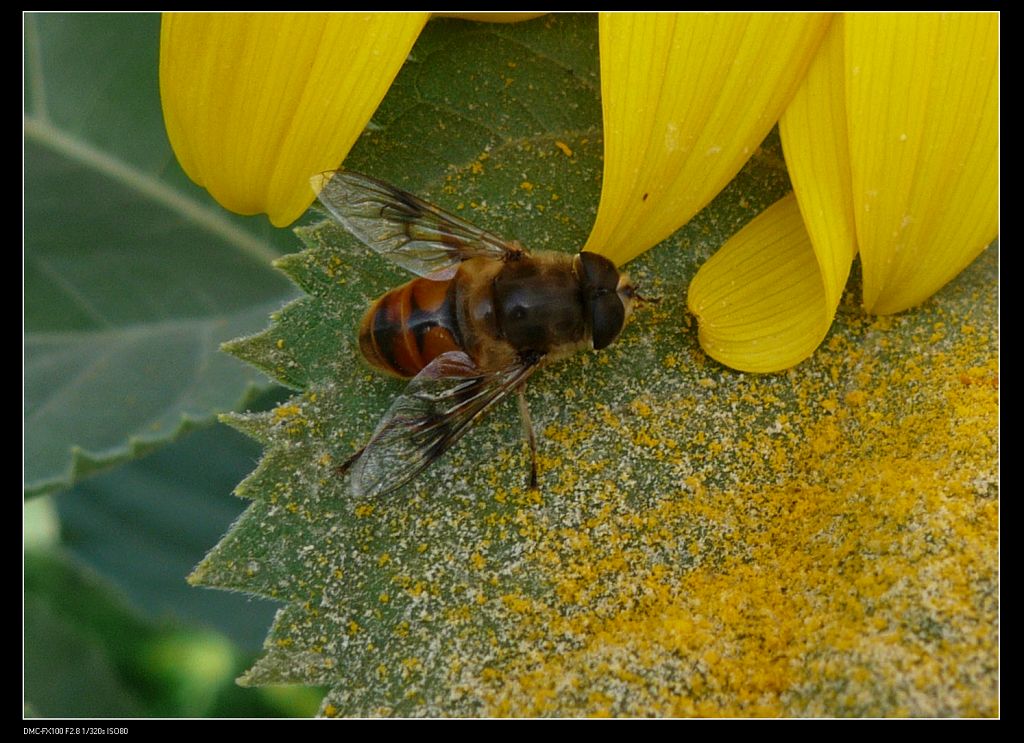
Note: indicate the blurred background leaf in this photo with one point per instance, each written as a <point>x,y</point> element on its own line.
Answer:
<point>133,276</point>
<point>145,526</point>
<point>88,654</point>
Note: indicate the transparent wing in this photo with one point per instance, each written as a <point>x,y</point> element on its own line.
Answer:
<point>436,409</point>
<point>414,234</point>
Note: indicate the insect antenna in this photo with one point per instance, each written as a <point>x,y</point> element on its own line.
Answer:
<point>645,300</point>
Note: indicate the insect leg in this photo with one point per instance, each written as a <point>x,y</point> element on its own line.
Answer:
<point>524,414</point>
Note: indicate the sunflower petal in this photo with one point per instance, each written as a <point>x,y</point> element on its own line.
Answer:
<point>687,99</point>
<point>760,300</point>
<point>257,103</point>
<point>815,141</point>
<point>767,299</point>
<point>922,94</point>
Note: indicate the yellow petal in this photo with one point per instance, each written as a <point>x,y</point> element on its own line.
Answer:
<point>814,138</point>
<point>767,298</point>
<point>922,94</point>
<point>687,99</point>
<point>760,300</point>
<point>255,104</point>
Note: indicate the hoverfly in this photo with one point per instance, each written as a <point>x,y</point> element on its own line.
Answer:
<point>482,317</point>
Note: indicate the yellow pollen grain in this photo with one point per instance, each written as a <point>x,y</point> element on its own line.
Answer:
<point>856,397</point>
<point>284,412</point>
<point>833,554</point>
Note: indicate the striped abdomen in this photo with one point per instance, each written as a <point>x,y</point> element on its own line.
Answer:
<point>410,326</point>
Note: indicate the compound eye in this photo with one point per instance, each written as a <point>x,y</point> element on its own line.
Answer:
<point>597,272</point>
<point>607,318</point>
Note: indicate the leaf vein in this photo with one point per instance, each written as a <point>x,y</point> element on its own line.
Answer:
<point>46,134</point>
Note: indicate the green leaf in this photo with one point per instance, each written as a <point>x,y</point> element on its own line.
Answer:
<point>88,655</point>
<point>819,542</point>
<point>55,646</point>
<point>133,277</point>
<point>143,526</point>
